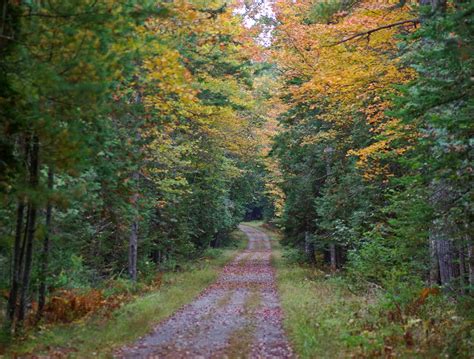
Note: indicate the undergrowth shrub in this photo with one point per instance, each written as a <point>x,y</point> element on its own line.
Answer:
<point>75,274</point>
<point>408,320</point>
<point>68,305</point>
<point>294,256</point>
<point>387,318</point>
<point>212,253</point>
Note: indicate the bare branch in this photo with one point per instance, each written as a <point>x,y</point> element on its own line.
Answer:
<point>367,33</point>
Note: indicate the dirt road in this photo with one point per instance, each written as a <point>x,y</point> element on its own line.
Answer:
<point>239,316</point>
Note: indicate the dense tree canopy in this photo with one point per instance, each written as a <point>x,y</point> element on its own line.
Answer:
<point>375,146</point>
<point>128,137</point>
<point>136,135</point>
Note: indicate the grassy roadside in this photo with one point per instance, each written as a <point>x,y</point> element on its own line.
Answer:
<point>317,313</point>
<point>99,336</point>
<point>324,319</point>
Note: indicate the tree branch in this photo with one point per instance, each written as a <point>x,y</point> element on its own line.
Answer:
<point>367,33</point>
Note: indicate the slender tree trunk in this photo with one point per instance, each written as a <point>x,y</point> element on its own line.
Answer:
<point>28,257</point>
<point>447,265</point>
<point>462,269</point>
<point>133,240</point>
<point>45,253</point>
<point>21,263</point>
<point>441,232</point>
<point>31,229</point>
<point>333,253</point>
<point>470,263</point>
<point>21,255</point>
<point>332,247</point>
<point>438,5</point>
<point>15,281</point>
<point>19,247</point>
<point>340,256</point>
<point>3,5</point>
<point>434,262</point>
<point>448,271</point>
<point>309,248</point>
<point>133,251</point>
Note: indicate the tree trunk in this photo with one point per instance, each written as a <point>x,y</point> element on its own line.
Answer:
<point>309,248</point>
<point>434,262</point>
<point>470,262</point>
<point>15,281</point>
<point>21,255</point>
<point>133,240</point>
<point>30,230</point>
<point>328,151</point>
<point>133,251</point>
<point>45,253</point>
<point>438,5</point>
<point>447,265</point>
<point>462,270</point>
<point>333,253</point>
<point>6,33</point>
<point>21,263</point>
<point>441,232</point>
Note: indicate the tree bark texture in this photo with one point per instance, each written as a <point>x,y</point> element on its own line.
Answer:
<point>30,230</point>
<point>442,234</point>
<point>15,280</point>
<point>133,251</point>
<point>133,240</point>
<point>46,248</point>
<point>470,261</point>
<point>462,269</point>
<point>434,262</point>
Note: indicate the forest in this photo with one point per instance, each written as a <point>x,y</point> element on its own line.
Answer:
<point>137,135</point>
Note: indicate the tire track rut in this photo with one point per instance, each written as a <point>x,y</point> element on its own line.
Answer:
<point>239,316</point>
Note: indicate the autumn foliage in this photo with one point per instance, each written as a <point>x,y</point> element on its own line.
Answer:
<point>130,143</point>
<point>136,135</point>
